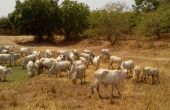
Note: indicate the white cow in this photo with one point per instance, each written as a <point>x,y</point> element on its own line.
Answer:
<point>48,53</point>
<point>153,72</point>
<point>4,71</point>
<point>108,77</point>
<point>60,66</point>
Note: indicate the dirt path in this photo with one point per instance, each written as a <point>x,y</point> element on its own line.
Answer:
<point>95,46</point>
<point>149,58</point>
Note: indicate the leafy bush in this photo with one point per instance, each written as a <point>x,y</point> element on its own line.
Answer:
<point>103,23</point>
<point>155,23</point>
<point>5,25</point>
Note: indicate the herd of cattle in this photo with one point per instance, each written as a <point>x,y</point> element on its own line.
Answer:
<point>75,63</point>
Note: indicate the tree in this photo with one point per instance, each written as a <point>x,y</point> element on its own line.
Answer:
<point>5,26</point>
<point>141,8</point>
<point>36,17</point>
<point>146,5</point>
<point>5,23</point>
<point>155,23</point>
<point>165,2</point>
<point>117,7</point>
<point>113,20</point>
<point>75,17</point>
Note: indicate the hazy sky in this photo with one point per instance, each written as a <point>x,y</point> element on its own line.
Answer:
<point>7,6</point>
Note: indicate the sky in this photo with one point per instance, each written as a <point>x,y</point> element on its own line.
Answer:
<point>7,6</point>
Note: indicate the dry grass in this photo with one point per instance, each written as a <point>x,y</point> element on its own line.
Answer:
<point>58,93</point>
<point>8,100</point>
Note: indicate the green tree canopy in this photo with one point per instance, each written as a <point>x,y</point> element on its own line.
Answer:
<point>75,17</point>
<point>36,17</point>
<point>111,20</point>
<point>146,5</point>
<point>5,23</point>
<point>155,23</point>
<point>5,26</point>
<point>115,7</point>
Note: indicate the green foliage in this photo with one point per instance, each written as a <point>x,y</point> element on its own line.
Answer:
<point>135,20</point>
<point>36,17</point>
<point>104,22</point>
<point>146,5</point>
<point>5,23</point>
<point>18,74</point>
<point>147,25</point>
<point>5,26</point>
<point>155,23</point>
<point>164,18</point>
<point>17,77</point>
<point>43,17</point>
<point>75,17</point>
<point>117,7</point>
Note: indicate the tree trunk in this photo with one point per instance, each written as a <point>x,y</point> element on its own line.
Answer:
<point>38,38</point>
<point>112,39</point>
<point>157,32</point>
<point>50,37</point>
<point>67,36</point>
<point>158,36</point>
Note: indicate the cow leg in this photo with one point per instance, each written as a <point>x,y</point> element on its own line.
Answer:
<point>130,72</point>
<point>98,91</point>
<point>118,90</point>
<point>153,79</point>
<point>137,78</point>
<point>10,63</point>
<point>95,84</point>
<point>60,73</point>
<point>84,78</point>
<point>111,96</point>
<point>81,81</point>
<point>112,66</point>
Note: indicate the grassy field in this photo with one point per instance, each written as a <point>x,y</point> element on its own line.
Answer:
<point>58,93</point>
<point>18,75</point>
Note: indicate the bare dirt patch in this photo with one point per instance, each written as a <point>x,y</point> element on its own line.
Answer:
<point>58,93</point>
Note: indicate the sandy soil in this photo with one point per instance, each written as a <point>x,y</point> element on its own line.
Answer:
<point>58,93</point>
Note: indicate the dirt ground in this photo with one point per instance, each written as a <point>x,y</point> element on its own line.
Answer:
<point>58,93</point>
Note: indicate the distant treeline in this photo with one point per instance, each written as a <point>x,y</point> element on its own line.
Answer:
<point>44,18</point>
